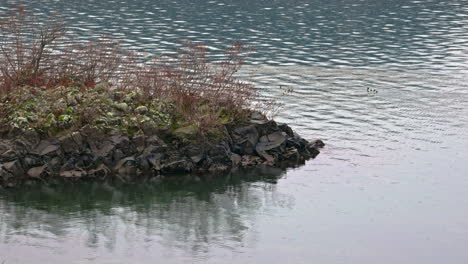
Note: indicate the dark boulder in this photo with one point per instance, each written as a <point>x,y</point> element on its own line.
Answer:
<point>126,167</point>
<point>270,142</point>
<point>245,139</point>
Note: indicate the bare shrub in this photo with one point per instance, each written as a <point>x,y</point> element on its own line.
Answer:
<point>203,90</point>
<point>25,48</point>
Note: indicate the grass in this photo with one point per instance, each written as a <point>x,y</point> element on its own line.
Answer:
<point>52,89</point>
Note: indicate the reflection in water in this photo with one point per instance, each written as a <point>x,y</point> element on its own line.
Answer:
<point>189,213</point>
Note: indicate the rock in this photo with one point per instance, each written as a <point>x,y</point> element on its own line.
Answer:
<point>31,160</point>
<point>291,154</point>
<point>195,153</point>
<point>141,109</point>
<point>175,164</point>
<point>317,143</point>
<point>265,127</point>
<point>258,116</point>
<point>117,155</point>
<point>47,147</point>
<point>71,142</point>
<point>130,97</point>
<point>73,174</point>
<point>155,140</point>
<point>286,129</point>
<point>250,161</point>
<point>126,167</point>
<point>270,142</point>
<point>220,154</point>
<point>64,121</point>
<point>154,160</point>
<point>14,167</point>
<point>37,172</point>
<point>7,151</point>
<point>187,131</point>
<point>102,171</point>
<point>245,139</point>
<point>54,165</point>
<point>124,144</point>
<point>123,107</point>
<point>84,160</point>
<point>139,142</point>
<point>235,159</point>
<point>297,142</point>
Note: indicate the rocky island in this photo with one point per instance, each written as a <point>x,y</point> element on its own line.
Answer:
<point>92,112</point>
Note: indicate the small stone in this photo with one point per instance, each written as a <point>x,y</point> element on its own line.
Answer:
<point>14,167</point>
<point>236,159</point>
<point>141,110</point>
<point>73,174</point>
<point>37,172</point>
<point>121,107</point>
<point>186,131</point>
<point>49,149</point>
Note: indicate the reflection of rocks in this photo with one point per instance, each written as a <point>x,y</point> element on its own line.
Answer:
<point>190,212</point>
<point>91,153</point>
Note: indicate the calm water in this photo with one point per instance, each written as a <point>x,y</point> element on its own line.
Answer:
<point>390,187</point>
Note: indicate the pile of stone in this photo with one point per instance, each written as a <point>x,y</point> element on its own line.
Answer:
<point>91,154</point>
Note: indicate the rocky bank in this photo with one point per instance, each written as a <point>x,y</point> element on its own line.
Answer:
<point>90,153</point>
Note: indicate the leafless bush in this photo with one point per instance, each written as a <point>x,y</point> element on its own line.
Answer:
<point>32,54</point>
<point>25,48</point>
<point>202,90</point>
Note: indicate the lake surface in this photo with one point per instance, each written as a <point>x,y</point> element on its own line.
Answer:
<point>391,186</point>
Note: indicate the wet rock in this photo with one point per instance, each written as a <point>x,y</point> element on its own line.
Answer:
<point>155,141</point>
<point>71,142</point>
<point>73,174</point>
<point>106,149</point>
<point>291,154</point>
<point>286,129</point>
<point>141,109</point>
<point>116,156</point>
<point>124,144</point>
<point>245,139</point>
<point>195,153</point>
<point>154,160</point>
<point>9,155</point>
<point>188,131</point>
<point>297,142</point>
<point>32,160</point>
<point>121,107</point>
<point>37,172</point>
<point>14,168</point>
<point>47,147</point>
<point>317,143</point>
<point>126,167</point>
<point>265,127</point>
<point>84,161</point>
<point>102,171</point>
<point>270,142</point>
<point>7,151</point>
<point>54,165</point>
<point>139,142</point>
<point>250,161</point>
<point>174,163</point>
<point>235,159</point>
